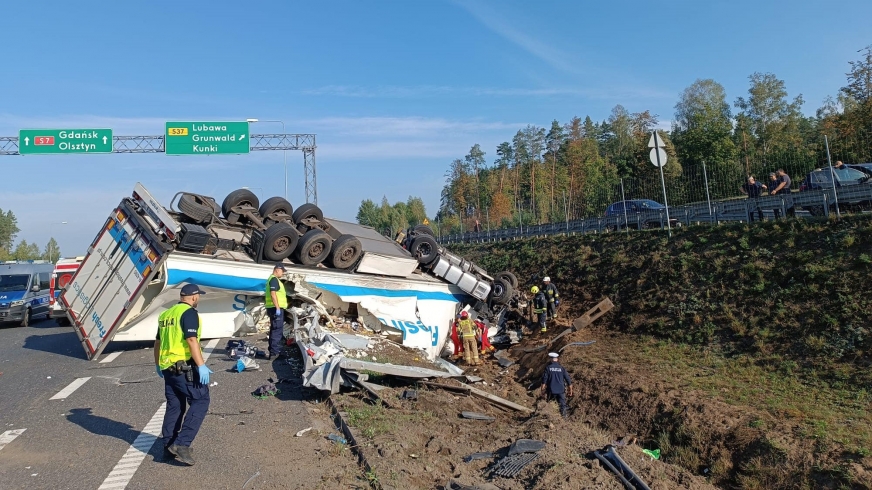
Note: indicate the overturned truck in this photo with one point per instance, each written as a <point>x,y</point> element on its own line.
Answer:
<point>144,253</point>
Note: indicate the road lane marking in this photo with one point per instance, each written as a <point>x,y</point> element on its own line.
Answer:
<point>122,473</point>
<point>124,470</point>
<point>111,357</point>
<point>75,385</point>
<point>9,436</point>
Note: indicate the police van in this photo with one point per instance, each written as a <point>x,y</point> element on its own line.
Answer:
<point>24,290</point>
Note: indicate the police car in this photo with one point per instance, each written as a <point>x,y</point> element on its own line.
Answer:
<point>24,290</point>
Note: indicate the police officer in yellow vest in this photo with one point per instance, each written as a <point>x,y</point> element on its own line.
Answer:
<point>276,301</point>
<point>179,361</point>
<point>466,329</point>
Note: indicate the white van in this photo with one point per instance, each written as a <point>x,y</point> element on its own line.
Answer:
<point>24,290</point>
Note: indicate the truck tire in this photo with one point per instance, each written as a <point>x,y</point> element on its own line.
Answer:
<point>509,278</point>
<point>199,208</point>
<point>279,241</point>
<point>502,291</point>
<point>275,205</point>
<point>28,316</point>
<point>423,230</point>
<point>425,249</point>
<point>313,248</point>
<point>345,252</point>
<point>237,198</point>
<point>308,210</point>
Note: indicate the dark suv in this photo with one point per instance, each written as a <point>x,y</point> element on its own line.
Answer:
<point>822,178</point>
<point>645,213</point>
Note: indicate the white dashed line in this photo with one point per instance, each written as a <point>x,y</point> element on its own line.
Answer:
<point>75,385</point>
<point>9,436</point>
<point>124,470</point>
<point>111,357</point>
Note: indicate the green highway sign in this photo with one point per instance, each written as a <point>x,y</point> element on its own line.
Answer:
<point>59,141</point>
<point>206,138</point>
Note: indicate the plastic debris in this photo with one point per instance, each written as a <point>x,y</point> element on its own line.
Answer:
<point>246,363</point>
<point>339,439</point>
<point>213,384</point>
<point>654,453</point>
<point>302,432</point>
<point>476,456</point>
<point>477,416</point>
<point>409,395</point>
<point>510,466</point>
<point>265,391</point>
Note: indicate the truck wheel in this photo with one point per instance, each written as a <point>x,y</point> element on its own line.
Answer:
<point>502,291</point>
<point>423,230</point>
<point>275,205</point>
<point>198,208</point>
<point>25,322</point>
<point>238,197</point>
<point>425,249</point>
<point>509,278</point>
<point>279,241</point>
<point>308,210</point>
<point>345,252</point>
<point>313,247</point>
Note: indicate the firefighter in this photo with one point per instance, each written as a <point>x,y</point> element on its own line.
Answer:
<point>483,337</point>
<point>540,307</point>
<point>466,329</point>
<point>553,296</point>
<point>455,339</point>
<point>555,381</point>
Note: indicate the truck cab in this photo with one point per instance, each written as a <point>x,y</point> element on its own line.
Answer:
<point>24,291</point>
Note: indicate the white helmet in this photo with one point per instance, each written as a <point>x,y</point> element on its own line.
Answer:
<point>547,279</point>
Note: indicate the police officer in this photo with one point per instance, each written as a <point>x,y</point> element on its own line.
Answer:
<point>555,380</point>
<point>466,329</point>
<point>553,296</point>
<point>179,361</point>
<point>540,306</point>
<point>276,302</point>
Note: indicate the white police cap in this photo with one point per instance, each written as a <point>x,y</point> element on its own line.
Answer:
<point>554,355</point>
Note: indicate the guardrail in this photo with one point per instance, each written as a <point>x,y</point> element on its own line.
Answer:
<point>800,204</point>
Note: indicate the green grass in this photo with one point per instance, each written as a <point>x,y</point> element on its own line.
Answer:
<point>374,420</point>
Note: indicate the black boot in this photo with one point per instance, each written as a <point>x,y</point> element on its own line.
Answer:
<point>185,454</point>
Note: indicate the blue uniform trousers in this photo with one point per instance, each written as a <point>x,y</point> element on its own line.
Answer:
<point>561,400</point>
<point>187,405</point>
<point>276,329</point>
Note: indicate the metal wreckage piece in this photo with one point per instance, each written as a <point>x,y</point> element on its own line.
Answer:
<point>611,460</point>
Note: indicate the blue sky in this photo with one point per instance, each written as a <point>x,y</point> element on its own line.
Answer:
<point>394,89</point>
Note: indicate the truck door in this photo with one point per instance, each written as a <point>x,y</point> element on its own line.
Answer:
<point>123,258</point>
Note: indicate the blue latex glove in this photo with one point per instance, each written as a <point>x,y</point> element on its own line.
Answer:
<point>278,313</point>
<point>204,374</point>
<point>159,372</point>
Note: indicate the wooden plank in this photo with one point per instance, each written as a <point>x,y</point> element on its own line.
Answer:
<point>497,400</point>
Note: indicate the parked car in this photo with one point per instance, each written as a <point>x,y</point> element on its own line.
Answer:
<point>644,213</point>
<point>866,168</point>
<point>822,178</point>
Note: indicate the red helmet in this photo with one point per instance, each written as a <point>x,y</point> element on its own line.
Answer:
<point>464,314</point>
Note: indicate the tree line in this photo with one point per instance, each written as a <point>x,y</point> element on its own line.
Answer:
<point>574,169</point>
<point>23,250</point>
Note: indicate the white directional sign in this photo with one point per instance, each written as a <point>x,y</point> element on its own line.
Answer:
<point>653,156</point>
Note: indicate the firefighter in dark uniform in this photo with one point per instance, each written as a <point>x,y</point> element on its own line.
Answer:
<point>179,361</point>
<point>555,382</point>
<point>553,296</point>
<point>540,307</point>
<point>276,301</point>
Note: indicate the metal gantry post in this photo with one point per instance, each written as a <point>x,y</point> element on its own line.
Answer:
<point>311,174</point>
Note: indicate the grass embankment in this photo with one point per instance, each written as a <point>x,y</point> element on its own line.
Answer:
<point>773,316</point>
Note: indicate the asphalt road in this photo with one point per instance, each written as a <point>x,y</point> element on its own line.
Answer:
<point>75,442</point>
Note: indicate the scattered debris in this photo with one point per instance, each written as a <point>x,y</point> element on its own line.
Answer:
<point>522,446</point>
<point>409,395</point>
<point>611,460</point>
<point>214,383</point>
<point>265,391</point>
<point>477,416</point>
<point>469,390</point>
<point>577,343</point>
<point>510,466</point>
<point>302,432</point>
<point>654,453</point>
<point>476,456</point>
<point>245,364</point>
<point>338,439</point>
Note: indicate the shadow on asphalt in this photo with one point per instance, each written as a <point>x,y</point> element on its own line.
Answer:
<point>62,344</point>
<point>102,426</point>
<point>289,371</point>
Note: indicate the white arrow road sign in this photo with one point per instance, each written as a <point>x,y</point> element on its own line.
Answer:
<point>26,141</point>
<point>653,156</point>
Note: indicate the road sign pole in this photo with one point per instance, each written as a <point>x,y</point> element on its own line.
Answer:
<point>624,204</point>
<point>832,176</point>
<point>662,183</point>
<point>708,196</point>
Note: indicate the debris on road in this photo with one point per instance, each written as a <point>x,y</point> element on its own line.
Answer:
<point>265,391</point>
<point>302,432</point>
